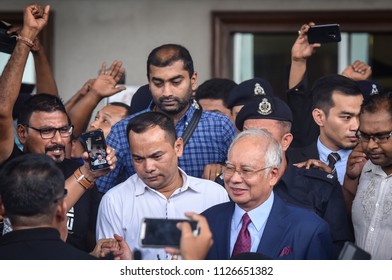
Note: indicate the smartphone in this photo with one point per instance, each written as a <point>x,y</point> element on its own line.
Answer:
<point>160,233</point>
<point>350,251</point>
<point>95,145</point>
<point>326,33</point>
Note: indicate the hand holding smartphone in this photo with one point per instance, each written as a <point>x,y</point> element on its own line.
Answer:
<point>95,145</point>
<point>160,233</point>
<point>326,33</point>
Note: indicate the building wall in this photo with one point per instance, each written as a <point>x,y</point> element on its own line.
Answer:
<point>89,32</point>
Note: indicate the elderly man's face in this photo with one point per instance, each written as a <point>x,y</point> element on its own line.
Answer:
<point>249,191</point>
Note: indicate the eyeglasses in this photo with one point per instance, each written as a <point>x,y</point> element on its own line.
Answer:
<point>244,172</point>
<point>50,132</point>
<point>61,197</point>
<point>378,138</point>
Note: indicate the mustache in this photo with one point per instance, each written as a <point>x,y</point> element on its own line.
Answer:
<point>55,147</point>
<point>169,98</point>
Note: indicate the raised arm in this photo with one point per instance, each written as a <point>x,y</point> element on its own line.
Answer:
<point>78,95</point>
<point>45,82</point>
<point>83,179</point>
<point>34,20</point>
<point>103,86</point>
<point>300,52</point>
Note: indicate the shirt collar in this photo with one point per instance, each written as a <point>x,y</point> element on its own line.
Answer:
<point>370,167</point>
<point>259,215</point>
<point>141,187</point>
<point>324,152</point>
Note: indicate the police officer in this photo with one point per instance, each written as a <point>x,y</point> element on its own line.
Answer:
<point>311,188</point>
<point>244,91</point>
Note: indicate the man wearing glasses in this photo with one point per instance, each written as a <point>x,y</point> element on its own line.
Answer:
<point>370,188</point>
<point>44,128</point>
<point>257,220</point>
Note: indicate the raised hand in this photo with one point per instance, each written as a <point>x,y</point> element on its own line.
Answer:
<point>301,50</point>
<point>355,162</point>
<point>34,20</point>
<point>358,71</point>
<point>105,84</point>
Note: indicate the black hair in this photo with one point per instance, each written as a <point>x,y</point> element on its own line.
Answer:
<point>144,121</point>
<point>324,87</point>
<point>167,54</point>
<point>378,102</point>
<point>41,103</point>
<point>216,88</point>
<point>123,105</point>
<point>30,184</point>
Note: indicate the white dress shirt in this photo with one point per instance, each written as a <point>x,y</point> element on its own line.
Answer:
<point>372,212</point>
<point>123,208</point>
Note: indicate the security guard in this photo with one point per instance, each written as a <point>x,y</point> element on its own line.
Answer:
<point>310,188</point>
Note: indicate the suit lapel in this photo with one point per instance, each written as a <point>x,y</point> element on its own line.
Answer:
<point>274,230</point>
<point>222,232</point>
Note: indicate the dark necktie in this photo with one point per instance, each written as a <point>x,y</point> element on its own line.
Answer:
<point>332,159</point>
<point>243,242</point>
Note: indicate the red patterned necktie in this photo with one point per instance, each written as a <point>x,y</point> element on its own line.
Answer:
<point>243,242</point>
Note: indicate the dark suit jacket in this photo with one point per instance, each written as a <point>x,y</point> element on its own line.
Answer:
<point>291,232</point>
<point>317,190</point>
<point>296,155</point>
<point>38,244</point>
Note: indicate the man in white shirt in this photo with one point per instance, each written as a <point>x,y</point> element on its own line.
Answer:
<point>372,185</point>
<point>159,189</point>
<point>99,160</point>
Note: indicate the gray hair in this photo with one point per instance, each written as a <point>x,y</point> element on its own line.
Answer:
<point>273,149</point>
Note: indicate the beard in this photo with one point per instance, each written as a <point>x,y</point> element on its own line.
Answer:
<point>177,106</point>
<point>56,156</point>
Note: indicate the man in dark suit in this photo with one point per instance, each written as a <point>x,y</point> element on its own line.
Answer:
<point>257,220</point>
<point>311,188</point>
<point>336,105</point>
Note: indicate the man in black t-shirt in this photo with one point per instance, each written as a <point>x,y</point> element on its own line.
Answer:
<point>43,125</point>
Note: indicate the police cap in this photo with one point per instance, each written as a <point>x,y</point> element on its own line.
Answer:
<point>245,90</point>
<point>264,107</point>
<point>369,88</point>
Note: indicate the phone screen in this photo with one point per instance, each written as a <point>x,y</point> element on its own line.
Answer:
<point>95,145</point>
<point>163,232</point>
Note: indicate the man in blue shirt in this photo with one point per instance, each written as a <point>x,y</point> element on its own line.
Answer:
<point>172,80</point>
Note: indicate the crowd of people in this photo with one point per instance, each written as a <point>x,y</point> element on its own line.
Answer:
<point>265,178</point>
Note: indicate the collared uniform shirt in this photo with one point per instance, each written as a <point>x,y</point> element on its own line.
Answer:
<point>209,143</point>
<point>123,208</point>
<point>372,212</point>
